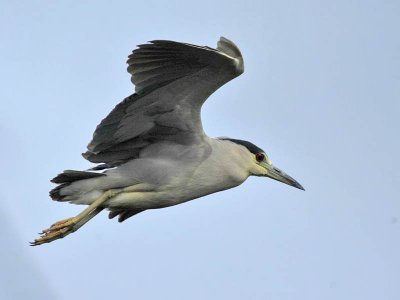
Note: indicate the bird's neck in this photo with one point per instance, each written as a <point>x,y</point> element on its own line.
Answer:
<point>230,158</point>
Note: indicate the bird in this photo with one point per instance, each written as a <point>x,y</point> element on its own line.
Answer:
<point>151,151</point>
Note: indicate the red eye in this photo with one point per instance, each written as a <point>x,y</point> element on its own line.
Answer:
<point>260,157</point>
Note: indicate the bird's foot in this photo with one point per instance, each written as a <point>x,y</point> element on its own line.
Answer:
<point>63,228</point>
<point>57,231</point>
<point>60,224</point>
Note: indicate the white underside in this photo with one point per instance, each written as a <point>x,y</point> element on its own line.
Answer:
<point>167,175</point>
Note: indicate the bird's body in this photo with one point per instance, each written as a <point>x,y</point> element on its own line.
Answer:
<point>163,178</point>
<point>152,147</point>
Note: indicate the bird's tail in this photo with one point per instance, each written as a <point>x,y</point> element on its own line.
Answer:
<point>65,179</point>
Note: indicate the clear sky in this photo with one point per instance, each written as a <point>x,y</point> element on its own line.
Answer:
<point>320,93</point>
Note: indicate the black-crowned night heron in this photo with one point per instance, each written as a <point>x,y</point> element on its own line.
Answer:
<point>152,147</point>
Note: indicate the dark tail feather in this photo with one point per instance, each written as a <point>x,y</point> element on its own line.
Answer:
<point>65,178</point>
<point>69,176</point>
<point>55,193</point>
<point>123,213</point>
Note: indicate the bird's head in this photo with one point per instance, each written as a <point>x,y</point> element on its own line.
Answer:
<point>261,165</point>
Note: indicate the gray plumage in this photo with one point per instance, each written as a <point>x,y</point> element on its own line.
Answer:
<point>172,82</point>
<point>151,149</point>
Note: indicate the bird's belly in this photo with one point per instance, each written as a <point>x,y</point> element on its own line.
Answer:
<point>174,181</point>
<point>141,200</point>
<point>176,192</point>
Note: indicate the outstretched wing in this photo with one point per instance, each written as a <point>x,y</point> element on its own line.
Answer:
<point>172,80</point>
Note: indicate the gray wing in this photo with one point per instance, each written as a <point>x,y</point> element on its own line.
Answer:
<point>172,80</point>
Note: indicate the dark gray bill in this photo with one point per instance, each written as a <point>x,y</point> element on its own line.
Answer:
<point>275,173</point>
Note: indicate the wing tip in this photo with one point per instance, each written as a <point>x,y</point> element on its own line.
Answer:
<point>229,48</point>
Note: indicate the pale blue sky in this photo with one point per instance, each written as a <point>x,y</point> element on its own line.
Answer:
<point>320,94</point>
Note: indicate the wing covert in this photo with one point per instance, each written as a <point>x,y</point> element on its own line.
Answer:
<point>172,80</point>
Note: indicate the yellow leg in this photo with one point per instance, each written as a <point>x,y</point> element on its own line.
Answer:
<point>63,228</point>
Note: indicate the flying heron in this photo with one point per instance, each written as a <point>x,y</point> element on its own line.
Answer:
<point>151,149</point>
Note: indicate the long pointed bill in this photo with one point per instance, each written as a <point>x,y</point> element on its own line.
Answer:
<point>275,173</point>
